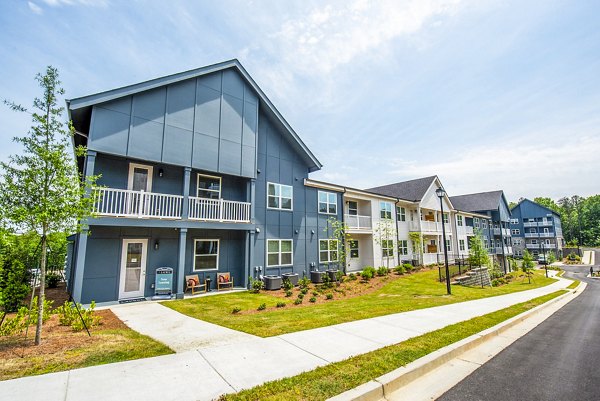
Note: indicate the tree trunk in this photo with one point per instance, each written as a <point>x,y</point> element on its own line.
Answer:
<point>41,293</point>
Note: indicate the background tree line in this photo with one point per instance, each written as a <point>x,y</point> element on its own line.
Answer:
<point>580,218</point>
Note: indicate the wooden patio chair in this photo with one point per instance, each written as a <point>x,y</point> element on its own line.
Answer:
<point>224,280</point>
<point>193,282</point>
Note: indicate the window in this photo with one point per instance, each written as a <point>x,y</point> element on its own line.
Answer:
<point>459,221</point>
<point>400,213</point>
<point>279,196</point>
<point>403,247</point>
<point>516,242</point>
<point>546,231</point>
<point>518,253</point>
<point>328,250</point>
<point>476,222</point>
<point>534,241</point>
<point>385,210</point>
<point>448,245</point>
<point>516,232</point>
<point>484,224</point>
<point>352,208</point>
<point>387,248</point>
<point>461,244</point>
<point>209,186</point>
<point>514,221</point>
<point>353,247</point>
<point>445,217</point>
<point>279,252</point>
<point>533,230</point>
<point>206,254</point>
<point>327,202</point>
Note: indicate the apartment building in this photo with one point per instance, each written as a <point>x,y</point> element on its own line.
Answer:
<point>536,228</point>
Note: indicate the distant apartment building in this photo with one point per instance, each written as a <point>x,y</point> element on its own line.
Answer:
<point>536,228</point>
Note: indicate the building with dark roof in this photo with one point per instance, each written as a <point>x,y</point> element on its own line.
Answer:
<point>536,228</point>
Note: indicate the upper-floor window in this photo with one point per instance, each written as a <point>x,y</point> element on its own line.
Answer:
<point>209,186</point>
<point>476,222</point>
<point>352,208</point>
<point>353,247</point>
<point>514,221</point>
<point>279,252</point>
<point>445,217</point>
<point>328,250</point>
<point>516,231</point>
<point>385,210</point>
<point>400,213</point>
<point>461,244</point>
<point>206,254</point>
<point>459,221</point>
<point>279,196</point>
<point>484,224</point>
<point>327,202</point>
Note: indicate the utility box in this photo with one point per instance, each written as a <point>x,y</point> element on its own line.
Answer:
<point>163,283</point>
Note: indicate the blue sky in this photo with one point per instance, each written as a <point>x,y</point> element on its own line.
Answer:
<point>486,94</point>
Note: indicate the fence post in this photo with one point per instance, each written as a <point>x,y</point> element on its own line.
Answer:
<point>141,204</point>
<point>221,209</point>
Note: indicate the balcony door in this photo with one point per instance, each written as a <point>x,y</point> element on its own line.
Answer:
<point>140,177</point>
<point>133,268</point>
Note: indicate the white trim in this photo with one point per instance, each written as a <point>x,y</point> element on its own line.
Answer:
<point>150,169</point>
<point>350,249</point>
<point>142,285</point>
<point>194,254</point>
<point>327,203</point>
<point>291,252</point>
<point>280,197</point>
<point>328,250</point>
<point>198,175</point>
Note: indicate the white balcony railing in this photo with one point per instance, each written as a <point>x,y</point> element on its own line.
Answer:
<point>356,222</point>
<point>539,235</point>
<point>507,250</point>
<point>530,224</point>
<point>140,204</point>
<point>218,210</point>
<point>464,230</point>
<point>432,226</point>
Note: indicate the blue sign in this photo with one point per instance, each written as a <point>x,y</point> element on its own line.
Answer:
<point>163,283</point>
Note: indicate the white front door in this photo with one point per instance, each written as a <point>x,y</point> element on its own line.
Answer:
<point>133,268</point>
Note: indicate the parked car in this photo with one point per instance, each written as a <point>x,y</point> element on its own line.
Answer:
<point>542,260</point>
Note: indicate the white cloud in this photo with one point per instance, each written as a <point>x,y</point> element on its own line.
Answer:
<point>58,3</point>
<point>35,8</point>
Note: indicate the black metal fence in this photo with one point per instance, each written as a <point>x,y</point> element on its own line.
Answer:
<point>457,266</point>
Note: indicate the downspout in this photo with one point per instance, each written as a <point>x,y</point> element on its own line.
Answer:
<point>502,240</point>
<point>344,235</point>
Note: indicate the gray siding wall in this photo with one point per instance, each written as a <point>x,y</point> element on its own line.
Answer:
<point>208,123</point>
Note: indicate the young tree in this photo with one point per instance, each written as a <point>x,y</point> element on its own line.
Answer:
<point>384,237</point>
<point>478,254</point>
<point>527,264</point>
<point>40,189</point>
<point>338,230</point>
<point>417,246</point>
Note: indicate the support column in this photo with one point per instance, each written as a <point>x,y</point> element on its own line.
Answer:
<point>181,262</point>
<point>77,288</point>
<point>187,171</point>
<point>252,199</point>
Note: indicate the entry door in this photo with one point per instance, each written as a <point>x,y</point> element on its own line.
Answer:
<point>140,179</point>
<point>133,268</point>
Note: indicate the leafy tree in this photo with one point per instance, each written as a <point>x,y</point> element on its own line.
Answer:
<point>40,189</point>
<point>527,265</point>
<point>385,232</point>
<point>417,247</point>
<point>547,202</point>
<point>551,257</point>
<point>338,230</point>
<point>478,255</point>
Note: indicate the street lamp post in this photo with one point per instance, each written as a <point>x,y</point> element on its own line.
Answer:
<point>440,192</point>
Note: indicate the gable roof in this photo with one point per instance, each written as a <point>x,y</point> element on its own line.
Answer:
<point>535,203</point>
<point>478,202</point>
<point>412,190</point>
<point>80,107</point>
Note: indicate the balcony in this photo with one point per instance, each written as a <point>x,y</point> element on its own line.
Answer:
<point>432,226</point>
<point>355,222</point>
<point>530,224</point>
<point>464,230</point>
<point>546,223</point>
<point>539,235</point>
<point>114,202</point>
<point>507,250</point>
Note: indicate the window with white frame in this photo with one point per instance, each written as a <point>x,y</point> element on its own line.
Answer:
<point>514,221</point>
<point>534,241</point>
<point>459,220</point>
<point>445,217</point>
<point>448,245</point>
<point>328,250</point>
<point>403,247</point>
<point>516,241</point>
<point>353,208</point>
<point>206,254</point>
<point>279,252</point>
<point>400,213</point>
<point>327,202</point>
<point>387,248</point>
<point>353,249</point>
<point>385,210</point>
<point>476,222</point>
<point>279,196</point>
<point>516,231</point>
<point>484,224</point>
<point>208,186</point>
<point>461,244</point>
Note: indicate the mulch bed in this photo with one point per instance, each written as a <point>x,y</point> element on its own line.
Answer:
<point>59,295</point>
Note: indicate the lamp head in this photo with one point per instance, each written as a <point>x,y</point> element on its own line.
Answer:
<point>440,192</point>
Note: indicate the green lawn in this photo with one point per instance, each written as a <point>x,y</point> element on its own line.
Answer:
<point>328,381</point>
<point>415,291</point>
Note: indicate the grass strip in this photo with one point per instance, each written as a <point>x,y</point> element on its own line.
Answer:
<point>573,285</point>
<point>328,381</point>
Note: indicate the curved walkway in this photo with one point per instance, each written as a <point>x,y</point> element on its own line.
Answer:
<point>214,369</point>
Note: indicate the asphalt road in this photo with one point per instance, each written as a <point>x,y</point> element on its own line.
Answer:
<point>558,360</point>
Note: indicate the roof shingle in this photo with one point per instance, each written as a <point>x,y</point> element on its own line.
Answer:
<point>412,190</point>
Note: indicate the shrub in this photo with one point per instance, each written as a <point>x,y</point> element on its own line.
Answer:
<point>52,280</point>
<point>399,269</point>
<point>298,301</point>
<point>329,296</point>
<point>281,304</point>
<point>300,296</point>
<point>289,293</point>
<point>352,277</point>
<point>262,306</point>
<point>368,273</point>
<point>236,309</point>
<point>408,267</point>
<point>68,316</point>
<point>256,285</point>
<point>383,271</point>
<point>304,291</point>
<point>313,299</point>
<point>14,284</point>
<point>304,282</point>
<point>316,293</point>
<point>287,284</point>
<point>16,324</point>
<point>495,283</point>
<point>339,276</point>
<point>496,272</point>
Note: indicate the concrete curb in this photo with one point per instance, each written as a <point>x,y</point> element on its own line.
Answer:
<point>377,389</point>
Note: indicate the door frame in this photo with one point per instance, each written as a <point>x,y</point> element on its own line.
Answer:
<point>140,292</point>
<point>132,167</point>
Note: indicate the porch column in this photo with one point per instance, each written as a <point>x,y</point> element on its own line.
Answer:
<point>181,262</point>
<point>77,288</point>
<point>251,197</point>
<point>186,192</point>
<point>249,257</point>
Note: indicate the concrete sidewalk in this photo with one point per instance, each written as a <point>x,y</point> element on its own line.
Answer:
<point>205,373</point>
